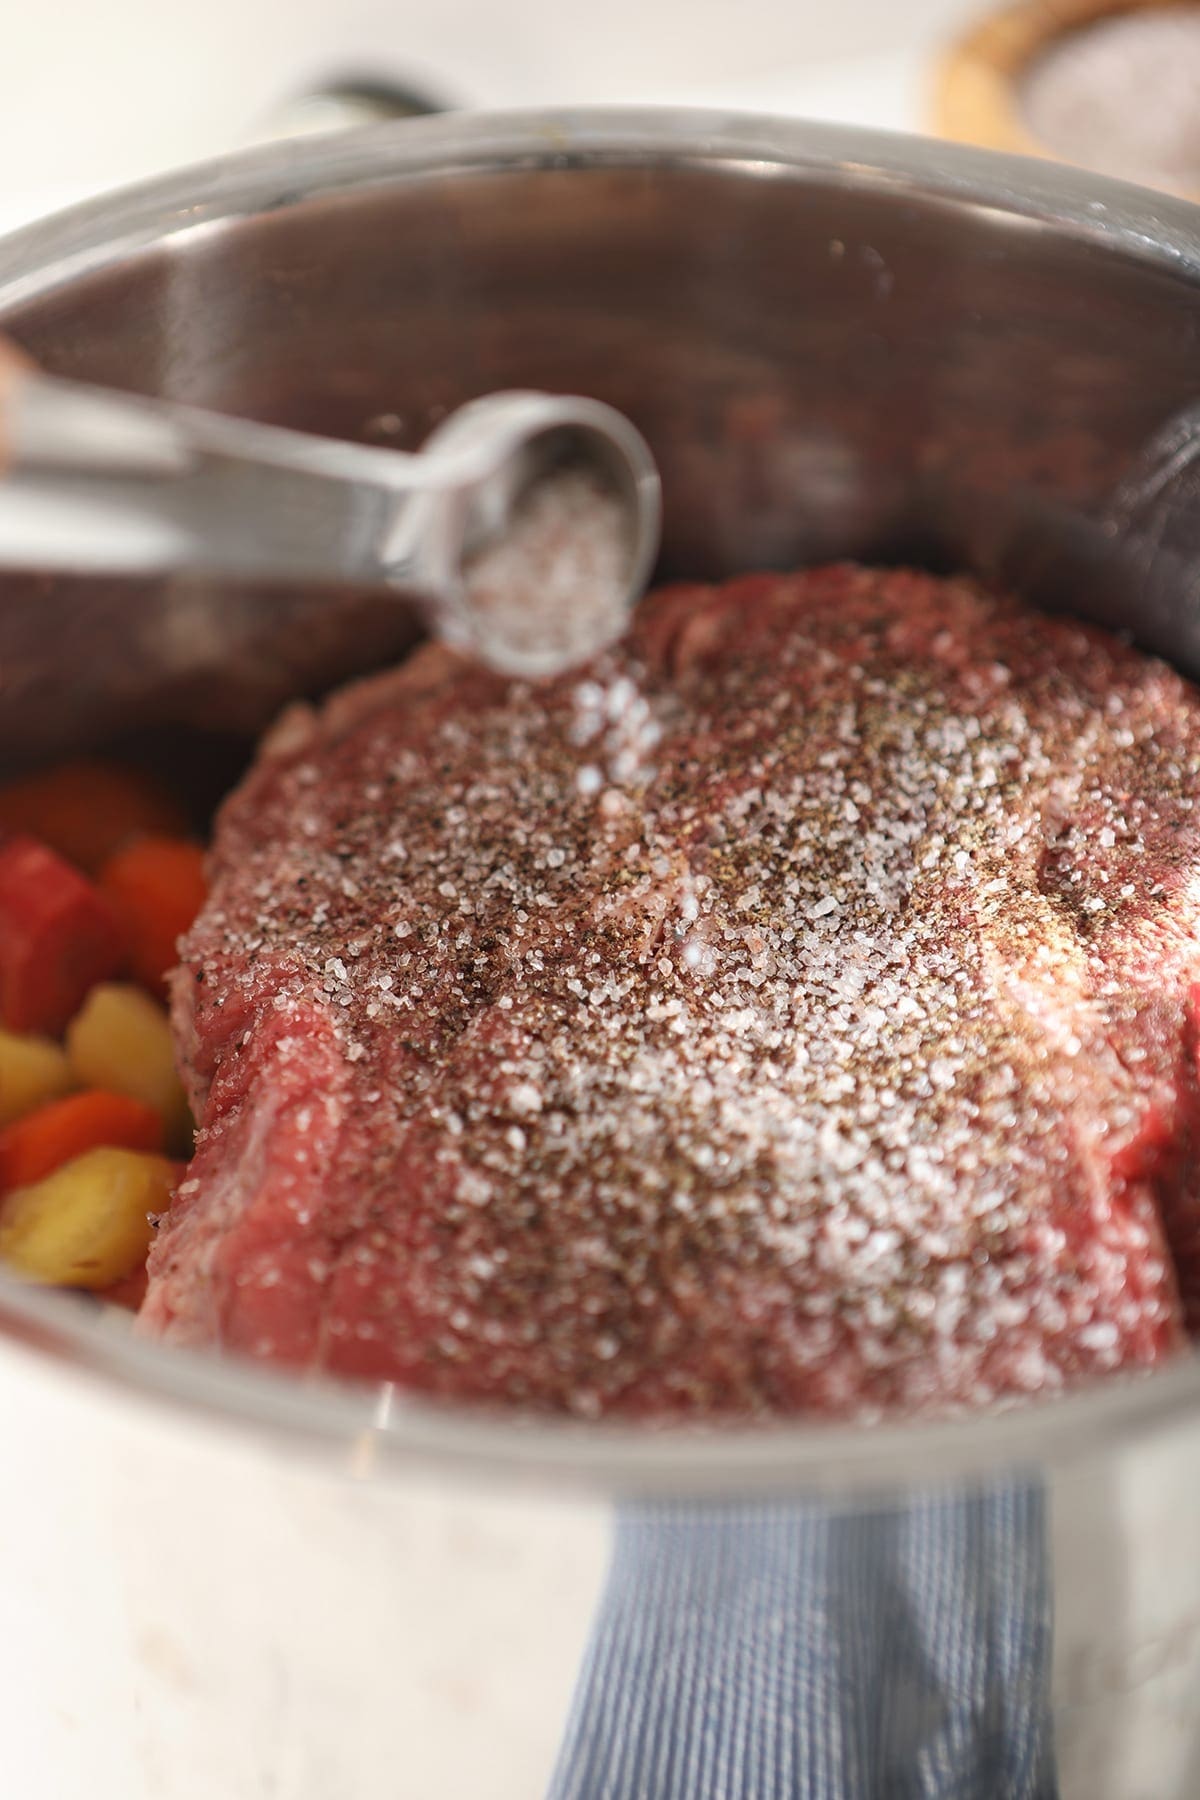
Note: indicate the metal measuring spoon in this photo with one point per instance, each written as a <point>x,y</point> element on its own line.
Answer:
<point>526,527</point>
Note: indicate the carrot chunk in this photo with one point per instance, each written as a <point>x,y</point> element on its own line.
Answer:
<point>58,936</point>
<point>86,809</point>
<point>156,887</point>
<point>42,1141</point>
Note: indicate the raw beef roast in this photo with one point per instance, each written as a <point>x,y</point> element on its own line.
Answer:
<point>792,1012</point>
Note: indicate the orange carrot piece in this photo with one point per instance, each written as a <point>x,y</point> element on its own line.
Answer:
<point>86,809</point>
<point>156,887</point>
<point>55,1134</point>
<point>58,937</point>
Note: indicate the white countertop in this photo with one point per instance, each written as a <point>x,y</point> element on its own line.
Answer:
<point>125,90</point>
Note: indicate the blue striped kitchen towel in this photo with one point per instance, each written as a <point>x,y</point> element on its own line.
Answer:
<point>796,1653</point>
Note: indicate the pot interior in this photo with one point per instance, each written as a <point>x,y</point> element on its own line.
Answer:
<point>837,346</point>
<point>828,362</point>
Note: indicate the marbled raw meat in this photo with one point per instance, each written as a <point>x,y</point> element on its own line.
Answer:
<point>792,1013</point>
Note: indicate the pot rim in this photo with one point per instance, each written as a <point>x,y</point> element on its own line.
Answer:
<point>374,1432</point>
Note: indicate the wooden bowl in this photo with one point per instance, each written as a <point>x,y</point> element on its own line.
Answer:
<point>977,91</point>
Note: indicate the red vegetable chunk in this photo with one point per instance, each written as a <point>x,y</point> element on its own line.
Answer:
<point>58,937</point>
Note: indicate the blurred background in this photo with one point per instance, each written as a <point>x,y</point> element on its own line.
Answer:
<point>92,95</point>
<point>95,95</point>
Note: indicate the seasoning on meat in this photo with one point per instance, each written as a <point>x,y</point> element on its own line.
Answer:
<point>792,1013</point>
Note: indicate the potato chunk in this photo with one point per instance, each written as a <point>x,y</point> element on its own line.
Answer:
<point>120,1040</point>
<point>32,1072</point>
<point>86,1225</point>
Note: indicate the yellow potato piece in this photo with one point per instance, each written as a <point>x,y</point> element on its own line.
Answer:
<point>86,1225</point>
<point>120,1040</point>
<point>33,1071</point>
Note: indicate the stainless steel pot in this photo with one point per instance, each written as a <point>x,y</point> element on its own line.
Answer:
<point>217,1583</point>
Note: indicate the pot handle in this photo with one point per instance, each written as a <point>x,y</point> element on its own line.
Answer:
<point>344,103</point>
